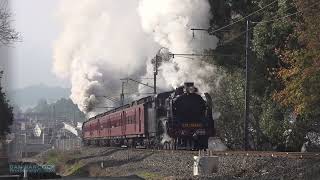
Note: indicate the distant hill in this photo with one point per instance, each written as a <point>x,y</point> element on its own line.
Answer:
<point>29,96</point>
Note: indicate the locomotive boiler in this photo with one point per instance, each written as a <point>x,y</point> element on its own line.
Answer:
<point>179,119</point>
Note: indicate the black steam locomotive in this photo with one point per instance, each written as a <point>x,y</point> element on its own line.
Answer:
<point>172,120</point>
<point>184,117</point>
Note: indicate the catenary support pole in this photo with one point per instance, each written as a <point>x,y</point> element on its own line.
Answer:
<point>247,95</point>
<point>155,72</point>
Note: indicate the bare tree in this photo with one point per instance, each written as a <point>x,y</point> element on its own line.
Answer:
<point>7,32</point>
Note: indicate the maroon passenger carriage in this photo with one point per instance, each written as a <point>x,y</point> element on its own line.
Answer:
<point>176,119</point>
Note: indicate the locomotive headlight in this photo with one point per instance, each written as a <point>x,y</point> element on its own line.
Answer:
<point>192,89</point>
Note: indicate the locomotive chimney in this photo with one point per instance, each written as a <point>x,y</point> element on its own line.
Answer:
<point>188,84</point>
<point>189,87</point>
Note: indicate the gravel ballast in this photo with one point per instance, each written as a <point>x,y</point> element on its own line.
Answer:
<point>155,164</point>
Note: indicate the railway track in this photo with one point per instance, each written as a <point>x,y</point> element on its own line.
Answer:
<point>293,155</point>
<point>179,163</point>
<point>272,154</point>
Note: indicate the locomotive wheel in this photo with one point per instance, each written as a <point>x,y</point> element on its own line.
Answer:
<point>107,142</point>
<point>172,145</point>
<point>100,142</point>
<point>169,146</point>
<point>189,144</point>
<point>166,146</point>
<point>85,143</point>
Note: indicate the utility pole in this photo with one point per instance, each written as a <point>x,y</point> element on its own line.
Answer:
<point>122,94</point>
<point>247,83</point>
<point>247,97</point>
<point>155,73</point>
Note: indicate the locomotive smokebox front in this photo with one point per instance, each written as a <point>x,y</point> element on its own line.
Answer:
<point>189,112</point>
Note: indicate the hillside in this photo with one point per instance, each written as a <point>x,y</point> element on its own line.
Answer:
<point>29,96</point>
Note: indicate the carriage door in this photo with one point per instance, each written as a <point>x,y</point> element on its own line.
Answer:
<point>109,126</point>
<point>98,127</point>
<point>123,124</point>
<point>135,120</point>
<point>139,119</point>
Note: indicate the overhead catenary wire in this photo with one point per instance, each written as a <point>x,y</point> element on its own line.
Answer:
<point>272,20</point>
<point>236,37</point>
<point>286,16</point>
<point>115,100</point>
<point>99,107</point>
<point>203,55</point>
<point>244,18</point>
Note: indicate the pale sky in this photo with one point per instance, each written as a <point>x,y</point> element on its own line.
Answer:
<point>31,59</point>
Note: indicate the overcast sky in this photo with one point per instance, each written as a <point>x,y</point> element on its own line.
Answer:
<point>31,59</point>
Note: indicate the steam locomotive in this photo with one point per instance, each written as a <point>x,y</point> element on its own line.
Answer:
<point>178,119</point>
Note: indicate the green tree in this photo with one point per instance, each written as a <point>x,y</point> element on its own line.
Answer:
<point>228,101</point>
<point>268,32</point>
<point>6,115</point>
<point>7,36</point>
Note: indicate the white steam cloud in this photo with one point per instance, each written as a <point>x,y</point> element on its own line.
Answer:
<point>169,22</point>
<point>103,41</point>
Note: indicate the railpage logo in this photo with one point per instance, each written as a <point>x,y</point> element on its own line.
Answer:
<point>31,168</point>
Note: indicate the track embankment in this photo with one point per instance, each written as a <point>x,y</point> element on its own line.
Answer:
<point>155,164</point>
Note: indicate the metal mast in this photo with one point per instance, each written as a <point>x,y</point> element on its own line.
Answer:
<point>122,94</point>
<point>247,97</point>
<point>155,73</point>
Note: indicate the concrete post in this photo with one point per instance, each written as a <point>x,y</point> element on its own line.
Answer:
<point>205,165</point>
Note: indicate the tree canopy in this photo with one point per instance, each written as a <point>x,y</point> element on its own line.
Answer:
<point>7,36</point>
<point>6,115</point>
<point>301,74</point>
<point>7,32</point>
<point>284,70</point>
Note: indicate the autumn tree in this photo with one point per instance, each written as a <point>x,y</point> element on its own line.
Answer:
<point>269,28</point>
<point>301,74</point>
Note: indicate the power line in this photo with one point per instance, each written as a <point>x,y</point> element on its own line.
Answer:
<point>236,37</point>
<point>288,15</point>
<point>110,98</point>
<point>95,107</point>
<point>272,20</point>
<point>107,107</point>
<point>203,55</point>
<point>127,79</point>
<point>186,57</point>
<point>244,18</point>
